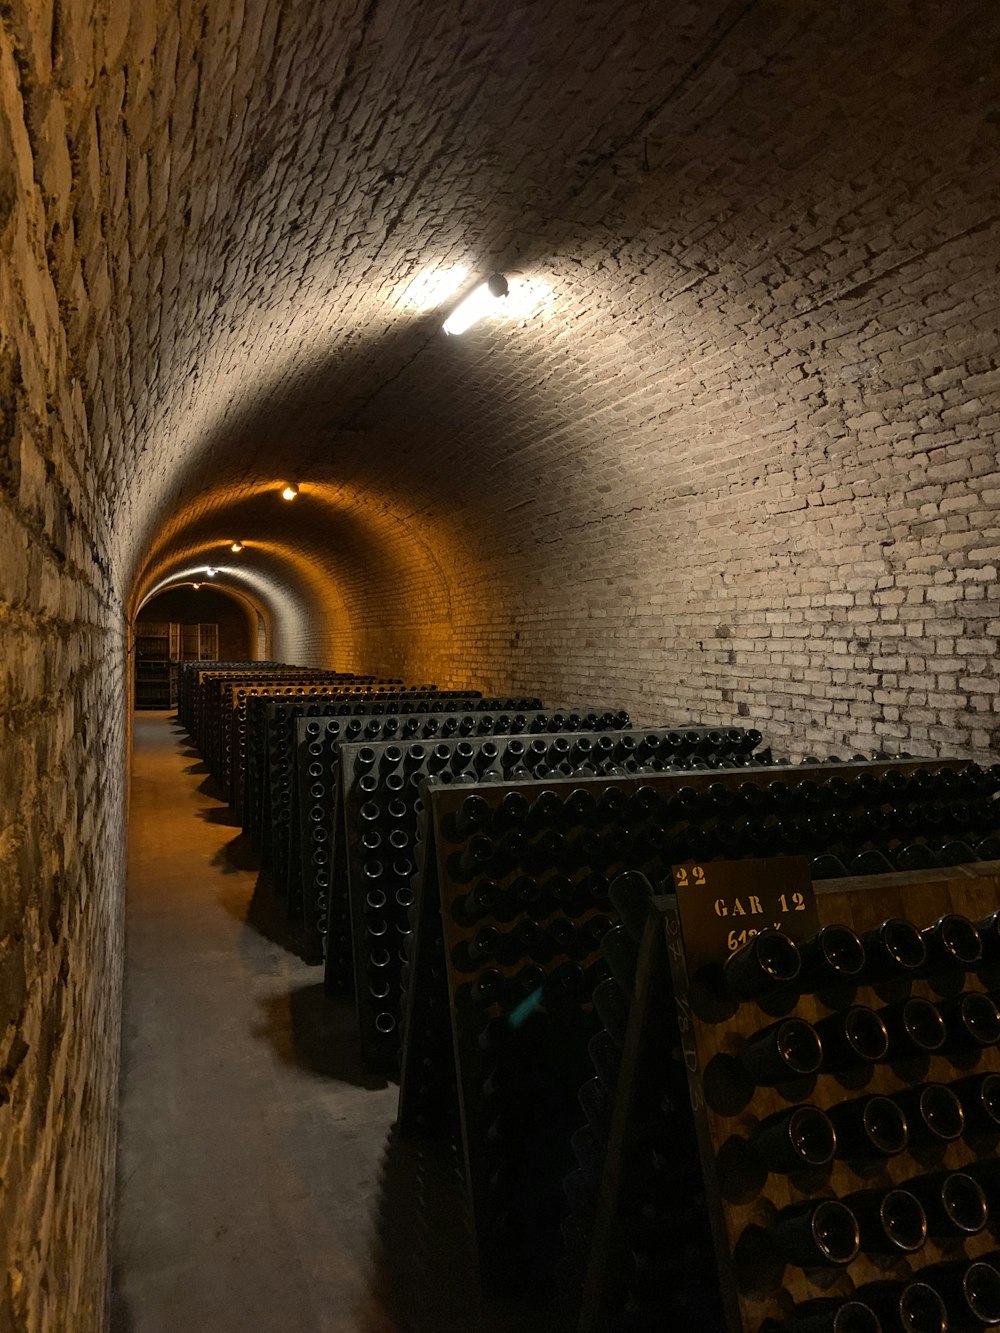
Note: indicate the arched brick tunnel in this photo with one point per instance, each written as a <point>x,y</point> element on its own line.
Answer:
<point>729,450</point>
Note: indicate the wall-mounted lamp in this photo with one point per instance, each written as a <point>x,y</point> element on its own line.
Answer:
<point>236,548</point>
<point>290,491</point>
<point>476,305</point>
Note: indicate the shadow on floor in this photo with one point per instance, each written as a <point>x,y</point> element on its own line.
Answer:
<point>238,854</point>
<point>212,790</point>
<point>265,914</point>
<point>426,1273</point>
<point>199,768</point>
<point>220,815</point>
<point>311,1030</point>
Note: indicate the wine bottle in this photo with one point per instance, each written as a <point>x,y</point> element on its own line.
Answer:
<point>511,812</point>
<point>869,1128</point>
<point>478,854</point>
<point>513,755</point>
<point>954,1203</point>
<point>817,1234</point>
<point>891,1222</point>
<point>830,1314</point>
<point>619,951</point>
<point>612,1005</point>
<point>970,1292</point>
<point>559,937</point>
<point>489,988</point>
<point>797,1139</point>
<point>852,1037</point>
<point>915,1027</point>
<point>933,1112</point>
<point>468,955</point>
<point>952,942</point>
<point>630,894</point>
<point>980,1098</point>
<point>565,984</point>
<point>894,949</point>
<point>769,961</point>
<point>480,901</point>
<point>385,1023</point>
<point>905,1307</point>
<point>592,931</point>
<point>833,954</point>
<point>972,1021</point>
<point>606,1059</point>
<point>782,1051</point>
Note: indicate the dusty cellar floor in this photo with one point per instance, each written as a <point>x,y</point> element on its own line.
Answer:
<point>260,1187</point>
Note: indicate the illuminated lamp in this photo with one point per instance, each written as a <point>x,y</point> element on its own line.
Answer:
<point>477,305</point>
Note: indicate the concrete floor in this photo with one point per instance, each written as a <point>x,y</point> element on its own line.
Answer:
<point>254,1158</point>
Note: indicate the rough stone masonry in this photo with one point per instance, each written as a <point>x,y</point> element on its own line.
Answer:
<point>733,455</point>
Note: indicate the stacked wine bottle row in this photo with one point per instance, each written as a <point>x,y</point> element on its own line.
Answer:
<point>379,795</point>
<point>590,830</point>
<point>276,829</point>
<point>270,744</point>
<point>213,703</point>
<point>307,823</point>
<point>192,687</point>
<point>639,1252</point>
<point>850,1085</point>
<point>325,882</point>
<point>587,753</point>
<point>326,834</point>
<point>214,700</point>
<point>232,754</point>
<point>511,906</point>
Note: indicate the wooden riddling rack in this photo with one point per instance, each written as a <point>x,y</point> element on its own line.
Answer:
<point>271,811</point>
<point>741,1196</point>
<point>379,800</point>
<point>189,687</point>
<point>324,834</point>
<point>444,1066</point>
<point>269,737</point>
<point>231,750</point>
<point>325,867</point>
<point>305,823</point>
<point>207,688</point>
<point>975,893</point>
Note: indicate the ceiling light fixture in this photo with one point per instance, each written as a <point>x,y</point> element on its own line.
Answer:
<point>433,287</point>
<point>290,491</point>
<point>477,305</point>
<point>236,548</point>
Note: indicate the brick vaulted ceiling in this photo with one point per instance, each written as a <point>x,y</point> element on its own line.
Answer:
<point>734,234</point>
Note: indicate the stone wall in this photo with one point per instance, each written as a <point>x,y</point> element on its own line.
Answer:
<point>62,794</point>
<point>730,452</point>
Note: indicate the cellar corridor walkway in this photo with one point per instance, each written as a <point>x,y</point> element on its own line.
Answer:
<point>251,1148</point>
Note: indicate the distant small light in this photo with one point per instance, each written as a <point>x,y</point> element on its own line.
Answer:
<point>477,305</point>
<point>236,548</point>
<point>290,491</point>
<point>196,586</point>
<point>210,571</point>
